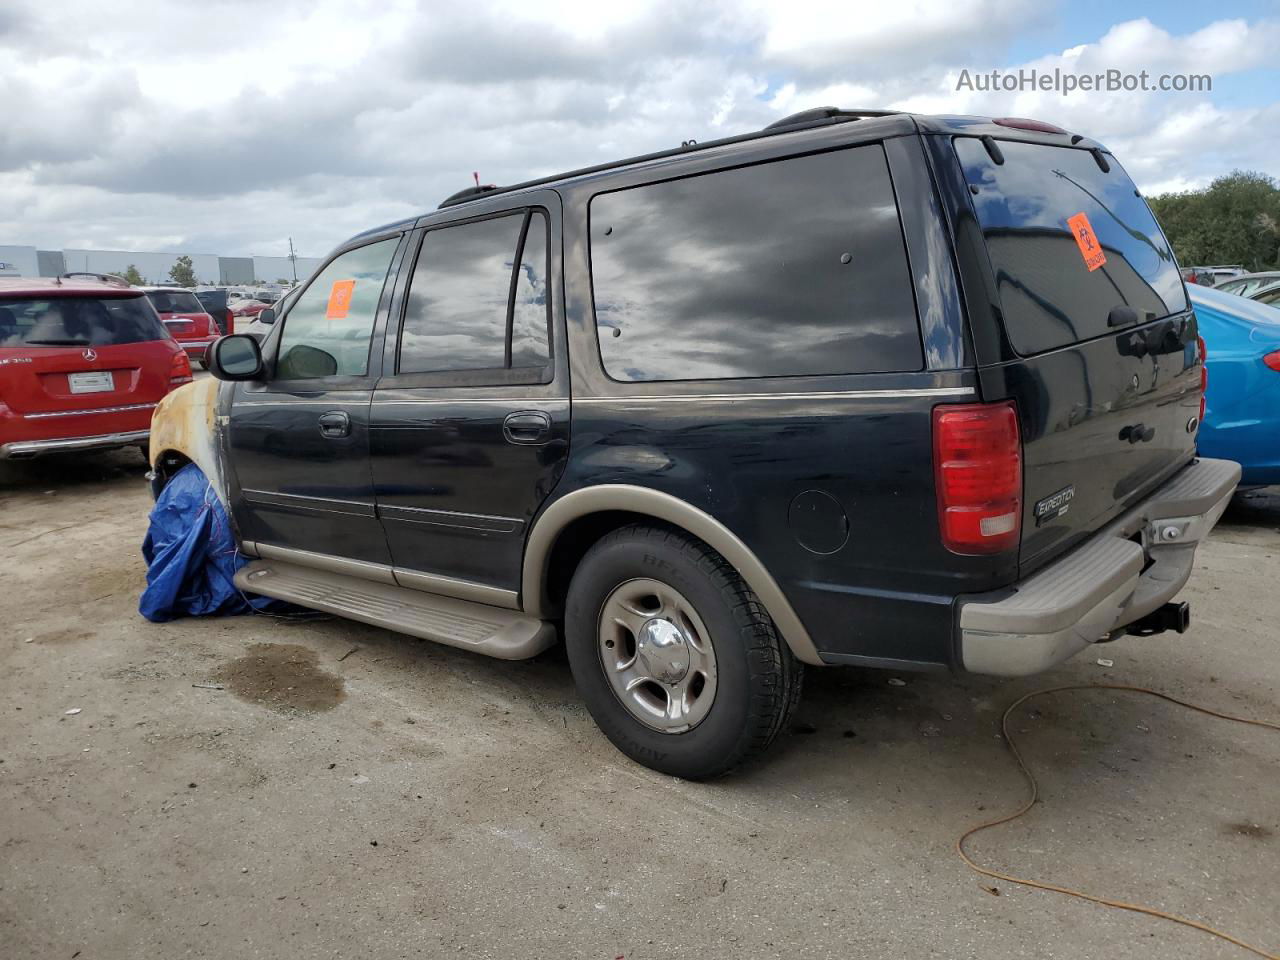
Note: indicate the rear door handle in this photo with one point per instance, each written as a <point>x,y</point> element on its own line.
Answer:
<point>335,425</point>
<point>527,427</point>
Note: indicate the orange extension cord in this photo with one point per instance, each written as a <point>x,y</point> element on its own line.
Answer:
<point>1031,780</point>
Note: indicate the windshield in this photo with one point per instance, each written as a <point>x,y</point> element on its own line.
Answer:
<point>78,321</point>
<point>175,301</point>
<point>1069,243</point>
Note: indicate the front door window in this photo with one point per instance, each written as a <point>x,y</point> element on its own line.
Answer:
<point>328,328</point>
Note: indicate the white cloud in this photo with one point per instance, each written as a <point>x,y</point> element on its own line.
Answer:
<point>229,125</point>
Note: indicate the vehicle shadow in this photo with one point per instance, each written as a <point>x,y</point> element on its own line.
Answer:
<point>59,472</point>
<point>1253,508</point>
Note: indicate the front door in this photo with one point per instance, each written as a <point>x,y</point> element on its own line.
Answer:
<point>299,442</point>
<point>470,422</point>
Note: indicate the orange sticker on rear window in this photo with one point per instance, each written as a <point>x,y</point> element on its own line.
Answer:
<point>1087,241</point>
<point>340,299</point>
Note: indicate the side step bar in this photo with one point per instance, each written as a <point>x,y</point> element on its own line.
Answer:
<point>492,631</point>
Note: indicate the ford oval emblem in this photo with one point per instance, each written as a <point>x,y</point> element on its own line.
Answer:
<point>90,354</point>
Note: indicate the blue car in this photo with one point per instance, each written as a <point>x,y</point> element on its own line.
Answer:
<point>1242,414</point>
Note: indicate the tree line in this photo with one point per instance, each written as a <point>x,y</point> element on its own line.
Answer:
<point>1234,220</point>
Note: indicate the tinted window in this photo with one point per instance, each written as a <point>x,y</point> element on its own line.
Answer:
<point>1049,214</point>
<point>175,301</point>
<point>460,309</point>
<point>456,317</point>
<point>531,307</point>
<point>78,321</point>
<point>783,269</point>
<point>329,326</point>
<point>212,299</point>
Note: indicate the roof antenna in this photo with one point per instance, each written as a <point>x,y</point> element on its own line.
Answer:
<point>476,174</point>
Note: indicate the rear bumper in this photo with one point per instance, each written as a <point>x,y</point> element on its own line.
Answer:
<point>1105,584</point>
<point>33,448</point>
<point>196,349</point>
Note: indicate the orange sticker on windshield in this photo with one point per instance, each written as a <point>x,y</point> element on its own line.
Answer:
<point>340,299</point>
<point>1087,241</point>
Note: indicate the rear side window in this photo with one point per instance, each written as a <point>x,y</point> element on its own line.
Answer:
<point>478,299</point>
<point>78,322</point>
<point>1068,242</point>
<point>783,269</point>
<point>328,328</point>
<point>175,301</point>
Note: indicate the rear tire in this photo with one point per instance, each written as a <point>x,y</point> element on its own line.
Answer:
<point>709,652</point>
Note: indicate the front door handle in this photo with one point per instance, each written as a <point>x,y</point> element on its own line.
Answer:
<point>527,427</point>
<point>335,425</point>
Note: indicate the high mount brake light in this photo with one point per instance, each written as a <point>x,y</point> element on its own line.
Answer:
<point>977,463</point>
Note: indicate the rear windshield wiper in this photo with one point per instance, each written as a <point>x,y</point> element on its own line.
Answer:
<point>68,342</point>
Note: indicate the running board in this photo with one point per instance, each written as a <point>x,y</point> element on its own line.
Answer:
<point>492,631</point>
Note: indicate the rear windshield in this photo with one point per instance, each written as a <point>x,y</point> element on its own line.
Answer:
<point>175,301</point>
<point>1068,243</point>
<point>78,321</point>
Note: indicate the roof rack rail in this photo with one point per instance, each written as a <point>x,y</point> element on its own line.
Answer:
<point>818,117</point>
<point>104,277</point>
<point>827,113</point>
<point>467,193</point>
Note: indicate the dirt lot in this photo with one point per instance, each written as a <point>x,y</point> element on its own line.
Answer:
<point>416,801</point>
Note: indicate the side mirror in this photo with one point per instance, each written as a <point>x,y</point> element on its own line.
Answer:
<point>267,316</point>
<point>236,357</point>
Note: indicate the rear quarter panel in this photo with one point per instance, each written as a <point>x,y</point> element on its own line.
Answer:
<point>868,577</point>
<point>1242,412</point>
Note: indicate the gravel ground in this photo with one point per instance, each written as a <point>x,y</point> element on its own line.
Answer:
<point>350,792</point>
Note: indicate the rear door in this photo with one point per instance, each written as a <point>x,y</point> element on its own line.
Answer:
<point>1097,343</point>
<point>215,304</point>
<point>68,355</point>
<point>470,423</point>
<point>299,442</point>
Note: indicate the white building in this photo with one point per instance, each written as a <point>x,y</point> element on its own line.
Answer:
<point>154,267</point>
<point>210,269</point>
<point>19,262</point>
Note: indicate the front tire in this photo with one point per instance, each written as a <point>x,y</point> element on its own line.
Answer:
<point>678,662</point>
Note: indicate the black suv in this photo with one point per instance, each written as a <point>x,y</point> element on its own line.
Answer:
<point>860,388</point>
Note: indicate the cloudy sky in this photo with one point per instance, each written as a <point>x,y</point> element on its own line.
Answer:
<point>225,126</point>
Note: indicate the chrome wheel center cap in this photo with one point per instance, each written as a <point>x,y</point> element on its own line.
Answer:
<point>662,650</point>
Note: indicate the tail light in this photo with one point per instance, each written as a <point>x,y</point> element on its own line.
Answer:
<point>1272,360</point>
<point>180,370</point>
<point>1204,376</point>
<point>977,464</point>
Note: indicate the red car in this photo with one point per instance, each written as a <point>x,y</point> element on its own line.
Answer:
<point>83,363</point>
<point>185,317</point>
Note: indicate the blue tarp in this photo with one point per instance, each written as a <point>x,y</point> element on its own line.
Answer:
<point>191,554</point>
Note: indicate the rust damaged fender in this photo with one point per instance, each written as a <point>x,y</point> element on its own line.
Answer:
<point>188,422</point>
